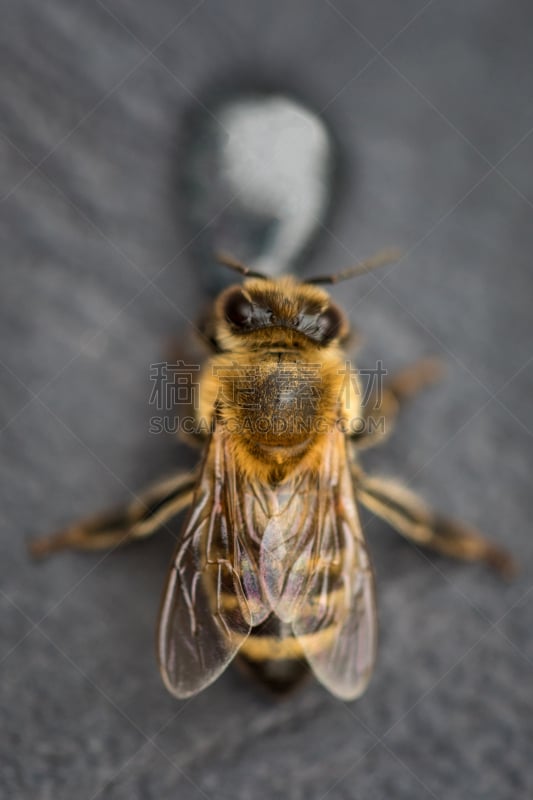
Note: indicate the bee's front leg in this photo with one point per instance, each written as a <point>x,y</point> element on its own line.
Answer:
<point>144,516</point>
<point>402,509</point>
<point>383,403</point>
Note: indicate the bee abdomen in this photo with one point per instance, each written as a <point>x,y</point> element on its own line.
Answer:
<point>273,655</point>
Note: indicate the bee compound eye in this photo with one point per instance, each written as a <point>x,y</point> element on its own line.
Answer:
<point>329,324</point>
<point>238,310</point>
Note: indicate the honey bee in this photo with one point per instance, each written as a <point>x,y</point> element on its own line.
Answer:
<point>272,565</point>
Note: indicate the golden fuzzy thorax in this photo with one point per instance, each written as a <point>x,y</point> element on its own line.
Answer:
<point>277,391</point>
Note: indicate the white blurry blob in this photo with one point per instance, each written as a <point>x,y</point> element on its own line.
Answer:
<point>277,158</point>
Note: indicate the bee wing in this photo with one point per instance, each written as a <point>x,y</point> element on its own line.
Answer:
<point>322,580</point>
<point>205,614</point>
<point>336,621</point>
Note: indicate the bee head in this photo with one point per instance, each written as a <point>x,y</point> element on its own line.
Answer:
<point>302,309</point>
<point>282,304</point>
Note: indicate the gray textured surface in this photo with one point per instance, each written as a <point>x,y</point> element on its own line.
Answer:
<point>438,161</point>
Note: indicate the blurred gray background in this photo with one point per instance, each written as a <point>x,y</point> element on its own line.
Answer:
<point>432,105</point>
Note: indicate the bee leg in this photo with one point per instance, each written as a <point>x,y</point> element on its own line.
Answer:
<point>381,408</point>
<point>141,518</point>
<point>411,517</point>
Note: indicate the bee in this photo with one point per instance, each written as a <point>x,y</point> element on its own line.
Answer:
<point>272,565</point>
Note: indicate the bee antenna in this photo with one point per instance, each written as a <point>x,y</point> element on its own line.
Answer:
<point>238,266</point>
<point>361,268</point>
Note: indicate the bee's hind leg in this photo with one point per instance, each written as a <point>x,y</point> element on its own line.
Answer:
<point>382,406</point>
<point>144,516</point>
<point>410,516</point>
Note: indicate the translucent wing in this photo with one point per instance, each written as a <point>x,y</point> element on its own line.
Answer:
<point>212,594</point>
<point>318,575</point>
<point>248,550</point>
